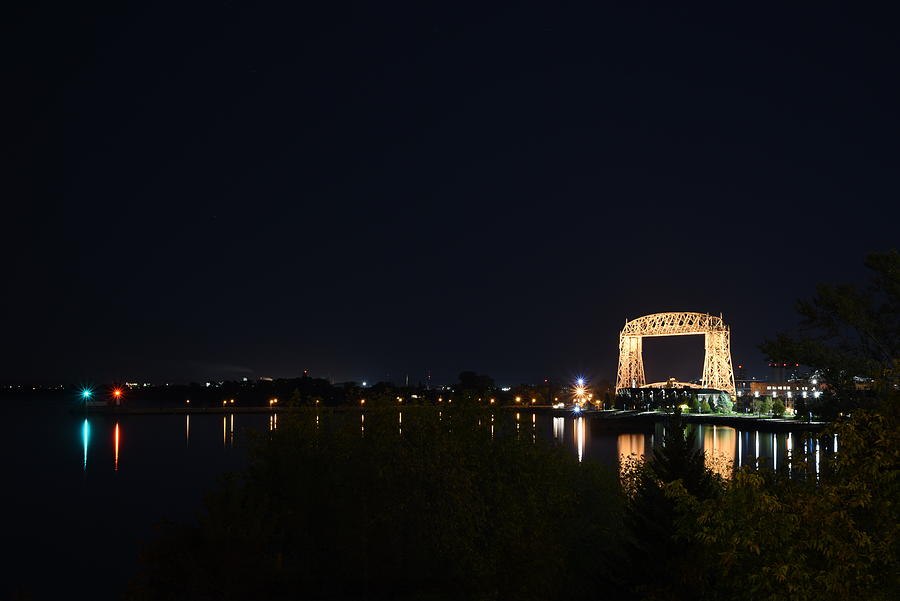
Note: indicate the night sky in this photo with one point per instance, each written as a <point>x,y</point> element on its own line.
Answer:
<point>378,188</point>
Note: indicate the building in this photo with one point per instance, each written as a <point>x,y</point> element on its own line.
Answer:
<point>788,392</point>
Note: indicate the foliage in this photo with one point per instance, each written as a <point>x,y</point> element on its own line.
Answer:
<point>848,330</point>
<point>443,510</point>
<point>652,517</point>
<point>724,404</point>
<point>778,408</point>
<point>704,406</point>
<point>762,405</point>
<point>770,537</point>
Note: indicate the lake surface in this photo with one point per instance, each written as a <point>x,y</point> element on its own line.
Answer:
<point>83,493</point>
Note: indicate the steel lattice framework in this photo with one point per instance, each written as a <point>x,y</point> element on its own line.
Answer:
<point>717,369</point>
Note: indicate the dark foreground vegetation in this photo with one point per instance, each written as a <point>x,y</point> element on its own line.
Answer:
<point>444,509</point>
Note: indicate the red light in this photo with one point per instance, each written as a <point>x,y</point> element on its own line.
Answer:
<point>117,392</point>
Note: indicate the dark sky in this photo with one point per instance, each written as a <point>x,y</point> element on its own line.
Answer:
<point>363,189</point>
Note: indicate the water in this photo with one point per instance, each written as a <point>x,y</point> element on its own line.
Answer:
<point>83,493</point>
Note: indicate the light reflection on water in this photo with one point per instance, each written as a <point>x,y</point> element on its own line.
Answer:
<point>724,446</point>
<point>559,428</point>
<point>85,436</point>
<point>630,446</point>
<point>579,437</point>
<point>719,444</point>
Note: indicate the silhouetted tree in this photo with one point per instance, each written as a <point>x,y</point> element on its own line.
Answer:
<point>657,565</point>
<point>848,330</point>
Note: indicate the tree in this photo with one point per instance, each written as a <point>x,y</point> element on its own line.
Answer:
<point>652,517</point>
<point>704,407</point>
<point>724,404</point>
<point>847,330</point>
<point>778,408</point>
<point>695,404</point>
<point>756,405</point>
<point>770,536</point>
<point>296,399</point>
<point>766,405</point>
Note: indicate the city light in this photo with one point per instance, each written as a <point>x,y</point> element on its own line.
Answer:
<point>117,393</point>
<point>86,393</point>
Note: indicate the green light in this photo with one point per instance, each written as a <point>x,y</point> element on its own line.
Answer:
<point>86,393</point>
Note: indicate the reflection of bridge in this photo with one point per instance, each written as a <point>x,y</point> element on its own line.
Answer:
<point>717,370</point>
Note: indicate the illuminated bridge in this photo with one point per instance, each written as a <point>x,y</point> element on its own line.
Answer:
<point>717,371</point>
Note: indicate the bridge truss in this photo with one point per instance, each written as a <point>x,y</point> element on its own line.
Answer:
<point>717,369</point>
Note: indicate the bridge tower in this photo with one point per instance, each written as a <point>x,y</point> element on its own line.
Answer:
<point>717,369</point>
